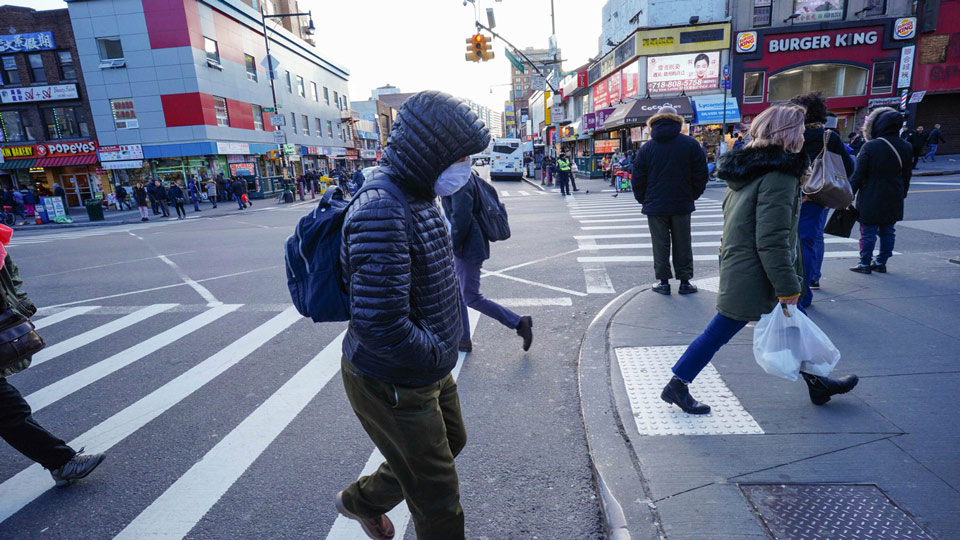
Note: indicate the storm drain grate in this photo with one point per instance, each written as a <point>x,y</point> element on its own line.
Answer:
<point>830,512</point>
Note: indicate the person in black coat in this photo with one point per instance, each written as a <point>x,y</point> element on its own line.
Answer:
<point>236,187</point>
<point>918,141</point>
<point>460,198</point>
<point>140,197</point>
<point>160,195</point>
<point>881,182</point>
<point>933,141</point>
<point>813,217</point>
<point>176,195</point>
<point>669,174</point>
<point>402,339</point>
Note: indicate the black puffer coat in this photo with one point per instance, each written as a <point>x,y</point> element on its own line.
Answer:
<point>670,170</point>
<point>404,298</point>
<point>880,181</point>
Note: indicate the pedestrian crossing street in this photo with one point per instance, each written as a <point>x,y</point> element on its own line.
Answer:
<point>191,495</point>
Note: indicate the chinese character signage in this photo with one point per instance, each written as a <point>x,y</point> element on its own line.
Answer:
<point>124,115</point>
<point>30,41</point>
<point>121,153</point>
<point>38,93</point>
<point>818,10</point>
<point>906,66</point>
<point>696,71</point>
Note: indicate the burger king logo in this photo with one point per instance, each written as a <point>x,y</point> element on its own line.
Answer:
<point>746,42</point>
<point>905,28</point>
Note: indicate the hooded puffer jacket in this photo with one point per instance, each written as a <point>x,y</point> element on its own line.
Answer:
<point>404,298</point>
<point>670,170</point>
<point>880,180</point>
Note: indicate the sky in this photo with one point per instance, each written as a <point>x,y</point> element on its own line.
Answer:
<point>420,44</point>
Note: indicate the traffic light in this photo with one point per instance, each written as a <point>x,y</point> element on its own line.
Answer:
<point>478,48</point>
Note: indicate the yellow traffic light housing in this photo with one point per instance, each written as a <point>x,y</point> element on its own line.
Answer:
<point>478,48</point>
<point>485,52</point>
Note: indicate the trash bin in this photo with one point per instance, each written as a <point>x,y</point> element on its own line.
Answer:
<point>288,196</point>
<point>94,209</point>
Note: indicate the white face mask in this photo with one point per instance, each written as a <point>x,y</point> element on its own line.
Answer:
<point>453,178</point>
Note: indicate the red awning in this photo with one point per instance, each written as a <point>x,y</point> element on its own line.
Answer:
<point>67,161</point>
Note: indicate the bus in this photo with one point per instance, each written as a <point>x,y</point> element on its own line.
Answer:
<point>506,159</point>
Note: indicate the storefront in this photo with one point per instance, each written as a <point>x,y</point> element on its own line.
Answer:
<point>937,74</point>
<point>630,119</point>
<point>124,164</point>
<point>38,167</point>
<point>849,62</point>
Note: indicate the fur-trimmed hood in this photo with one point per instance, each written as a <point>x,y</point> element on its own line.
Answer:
<point>741,167</point>
<point>665,126</point>
<point>881,122</point>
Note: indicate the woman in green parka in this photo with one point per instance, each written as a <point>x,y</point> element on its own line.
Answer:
<point>760,261</point>
<point>17,425</point>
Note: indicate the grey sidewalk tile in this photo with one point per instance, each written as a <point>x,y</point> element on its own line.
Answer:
<point>715,512</point>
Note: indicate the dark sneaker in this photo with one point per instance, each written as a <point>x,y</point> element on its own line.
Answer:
<point>465,346</point>
<point>815,285</point>
<point>687,288</point>
<point>861,269</point>
<point>879,268</point>
<point>79,466</point>
<point>662,288</point>
<point>378,528</point>
<point>525,330</point>
<point>677,393</point>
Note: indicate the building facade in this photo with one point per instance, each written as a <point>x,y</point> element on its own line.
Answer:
<point>188,83</point>
<point>937,74</point>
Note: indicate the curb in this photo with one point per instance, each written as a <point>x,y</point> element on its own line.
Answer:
<point>532,183</point>
<point>608,448</point>
<point>937,173</point>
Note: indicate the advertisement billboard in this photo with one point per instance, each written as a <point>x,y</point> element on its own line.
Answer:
<point>817,10</point>
<point>679,72</point>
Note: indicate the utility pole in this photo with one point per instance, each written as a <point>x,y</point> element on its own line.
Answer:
<point>556,69</point>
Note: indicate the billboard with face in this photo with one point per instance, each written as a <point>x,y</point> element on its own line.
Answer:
<point>694,71</point>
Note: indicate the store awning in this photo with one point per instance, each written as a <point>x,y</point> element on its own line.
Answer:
<point>67,161</point>
<point>617,118</point>
<point>638,112</point>
<point>14,164</point>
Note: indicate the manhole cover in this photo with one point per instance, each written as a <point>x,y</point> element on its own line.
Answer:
<point>830,512</point>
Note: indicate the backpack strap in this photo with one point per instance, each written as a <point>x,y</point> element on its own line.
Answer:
<point>380,181</point>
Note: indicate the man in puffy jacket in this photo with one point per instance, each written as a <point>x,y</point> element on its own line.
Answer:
<point>933,141</point>
<point>669,173</point>
<point>405,328</point>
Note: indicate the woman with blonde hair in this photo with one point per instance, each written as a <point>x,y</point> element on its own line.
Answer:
<point>760,261</point>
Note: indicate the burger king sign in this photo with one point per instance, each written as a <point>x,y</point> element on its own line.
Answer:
<point>905,28</point>
<point>747,42</point>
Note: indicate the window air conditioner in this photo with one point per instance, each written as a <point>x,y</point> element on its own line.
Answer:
<point>114,63</point>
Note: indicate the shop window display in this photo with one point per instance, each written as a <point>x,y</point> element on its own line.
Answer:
<point>65,123</point>
<point>753,87</point>
<point>882,78</point>
<point>832,80</point>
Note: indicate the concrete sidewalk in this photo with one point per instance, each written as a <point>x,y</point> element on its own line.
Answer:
<point>881,462</point>
<point>944,165</point>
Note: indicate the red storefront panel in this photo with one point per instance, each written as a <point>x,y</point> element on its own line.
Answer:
<point>193,109</point>
<point>173,23</point>
<point>240,114</point>
<point>937,66</point>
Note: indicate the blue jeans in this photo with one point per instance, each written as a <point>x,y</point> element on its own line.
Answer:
<point>239,199</point>
<point>468,274</point>
<point>813,218</point>
<point>868,239</point>
<point>933,150</point>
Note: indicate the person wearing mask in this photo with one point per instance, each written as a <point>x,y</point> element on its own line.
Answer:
<point>933,141</point>
<point>140,197</point>
<point>881,183</point>
<point>160,195</point>
<point>813,217</point>
<point>759,261</point>
<point>177,197</point>
<point>404,330</point>
<point>460,197</point>
<point>918,140</point>
<point>669,174</point>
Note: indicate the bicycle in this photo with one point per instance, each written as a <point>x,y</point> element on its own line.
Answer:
<point>7,216</point>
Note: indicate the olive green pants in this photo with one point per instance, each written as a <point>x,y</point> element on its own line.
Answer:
<point>419,431</point>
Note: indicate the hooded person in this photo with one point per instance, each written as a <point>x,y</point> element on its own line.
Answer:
<point>460,196</point>
<point>405,328</point>
<point>880,182</point>
<point>669,174</point>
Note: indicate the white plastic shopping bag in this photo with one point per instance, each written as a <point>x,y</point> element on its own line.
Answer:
<point>786,341</point>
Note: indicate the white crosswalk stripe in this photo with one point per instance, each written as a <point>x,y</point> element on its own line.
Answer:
<point>81,232</point>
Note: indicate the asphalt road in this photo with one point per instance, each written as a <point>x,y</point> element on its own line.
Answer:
<point>172,347</point>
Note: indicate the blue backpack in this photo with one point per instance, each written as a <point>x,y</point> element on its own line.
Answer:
<point>314,276</point>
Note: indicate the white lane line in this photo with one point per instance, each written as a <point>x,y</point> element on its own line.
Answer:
<point>504,193</point>
<point>68,385</point>
<point>62,316</point>
<point>638,235</point>
<point>714,243</point>
<point>174,513</point>
<point>201,290</point>
<point>33,481</point>
<point>636,219</point>
<point>914,182</point>
<point>525,193</point>
<point>534,302</point>
<point>597,279</point>
<point>611,227</point>
<point>347,529</point>
<point>714,257</point>
<point>100,332</point>
<point>535,283</point>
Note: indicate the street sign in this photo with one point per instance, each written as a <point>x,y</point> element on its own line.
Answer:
<point>726,72</point>
<point>270,60</point>
<point>268,109</point>
<point>513,60</point>
<point>726,84</point>
<point>289,149</point>
<point>279,137</point>
<point>538,82</point>
<point>917,97</point>
<point>278,120</point>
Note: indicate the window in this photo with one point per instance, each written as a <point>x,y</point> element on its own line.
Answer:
<point>213,52</point>
<point>36,68</point>
<point>110,48</point>
<point>313,91</point>
<point>289,83</point>
<point>300,90</point>
<point>339,131</point>
<point>68,71</point>
<point>293,122</point>
<point>762,12</point>
<point>833,80</point>
<point>124,115</point>
<point>326,95</point>
<point>319,132</point>
<point>251,64</point>
<point>518,94</point>
<point>257,117</point>
<point>345,106</point>
<point>329,128</point>
<point>336,99</point>
<point>10,73</point>
<point>753,87</point>
<point>65,123</point>
<point>875,7</point>
<point>882,78</point>
<point>220,108</point>
<point>13,127</point>
<point>306,125</point>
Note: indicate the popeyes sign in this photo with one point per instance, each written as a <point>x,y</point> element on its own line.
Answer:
<point>67,149</point>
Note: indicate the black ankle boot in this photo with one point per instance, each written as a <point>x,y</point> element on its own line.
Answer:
<point>821,388</point>
<point>677,393</point>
